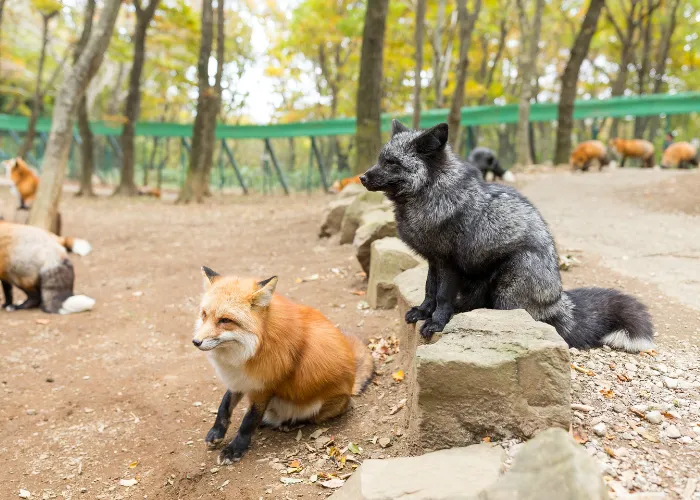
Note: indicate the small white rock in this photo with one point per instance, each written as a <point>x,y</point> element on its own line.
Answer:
<point>630,367</point>
<point>655,417</point>
<point>24,494</point>
<point>686,440</point>
<point>671,383</point>
<point>673,432</point>
<point>600,429</point>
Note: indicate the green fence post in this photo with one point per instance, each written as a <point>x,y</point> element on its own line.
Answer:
<point>282,180</point>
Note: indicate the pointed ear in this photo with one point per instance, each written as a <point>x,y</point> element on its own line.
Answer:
<point>432,140</point>
<point>209,276</point>
<point>397,127</point>
<point>263,295</point>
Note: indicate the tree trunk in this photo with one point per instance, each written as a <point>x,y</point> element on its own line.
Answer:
<point>527,70</point>
<point>466,27</point>
<point>437,52</point>
<point>28,141</point>
<point>193,188</point>
<point>87,158</point>
<point>418,37</point>
<point>292,153</point>
<point>368,138</point>
<point>127,186</point>
<point>2,8</point>
<point>569,79</point>
<point>640,122</point>
<point>45,207</point>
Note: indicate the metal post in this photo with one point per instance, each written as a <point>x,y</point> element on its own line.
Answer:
<point>531,136</point>
<point>221,168</point>
<point>232,160</point>
<point>310,170</point>
<point>268,146</point>
<point>321,170</point>
<point>184,145</point>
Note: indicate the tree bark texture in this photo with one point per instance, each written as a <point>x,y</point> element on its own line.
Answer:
<point>87,153</point>
<point>466,23</point>
<point>418,42</point>
<point>368,139</point>
<point>569,80</point>
<point>45,207</point>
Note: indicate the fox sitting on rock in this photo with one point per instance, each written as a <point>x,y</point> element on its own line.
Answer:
<point>288,359</point>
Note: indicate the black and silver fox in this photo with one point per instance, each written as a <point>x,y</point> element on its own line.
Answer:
<point>487,246</point>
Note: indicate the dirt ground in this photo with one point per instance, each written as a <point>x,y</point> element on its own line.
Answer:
<point>121,393</point>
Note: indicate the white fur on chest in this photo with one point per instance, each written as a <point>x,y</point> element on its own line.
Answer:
<point>228,363</point>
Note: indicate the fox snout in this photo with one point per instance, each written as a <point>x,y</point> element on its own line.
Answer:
<point>370,179</point>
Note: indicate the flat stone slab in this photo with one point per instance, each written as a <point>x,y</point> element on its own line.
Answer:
<point>363,202</point>
<point>458,473</point>
<point>552,465</point>
<point>374,226</point>
<point>352,190</point>
<point>333,217</point>
<point>389,258</point>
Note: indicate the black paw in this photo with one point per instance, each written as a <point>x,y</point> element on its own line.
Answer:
<point>416,314</point>
<point>215,436</point>
<point>430,327</point>
<point>231,454</point>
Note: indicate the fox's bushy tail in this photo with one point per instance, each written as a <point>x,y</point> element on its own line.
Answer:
<point>364,364</point>
<point>76,304</point>
<point>602,316</point>
<point>76,245</point>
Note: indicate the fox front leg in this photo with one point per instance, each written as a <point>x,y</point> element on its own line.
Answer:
<point>447,288</point>
<point>252,419</point>
<point>425,310</point>
<point>7,290</point>
<point>223,418</point>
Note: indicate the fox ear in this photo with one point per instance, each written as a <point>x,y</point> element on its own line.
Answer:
<point>397,127</point>
<point>263,295</point>
<point>432,140</point>
<point>209,276</point>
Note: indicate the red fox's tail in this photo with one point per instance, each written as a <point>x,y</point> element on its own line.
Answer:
<point>75,245</point>
<point>364,371</point>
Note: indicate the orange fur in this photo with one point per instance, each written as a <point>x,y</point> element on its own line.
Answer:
<point>25,180</point>
<point>586,152</point>
<point>300,357</point>
<point>679,154</point>
<point>635,148</point>
<point>341,184</point>
<point>155,192</point>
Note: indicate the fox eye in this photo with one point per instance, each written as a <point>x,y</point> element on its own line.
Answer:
<point>225,321</point>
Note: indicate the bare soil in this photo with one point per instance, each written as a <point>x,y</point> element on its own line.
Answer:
<point>121,393</point>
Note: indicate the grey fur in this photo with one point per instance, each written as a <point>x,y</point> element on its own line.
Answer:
<point>488,247</point>
<point>485,160</point>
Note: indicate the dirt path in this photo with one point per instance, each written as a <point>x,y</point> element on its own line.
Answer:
<point>120,393</point>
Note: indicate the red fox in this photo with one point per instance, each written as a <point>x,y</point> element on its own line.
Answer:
<point>36,262</point>
<point>339,185</point>
<point>588,151</point>
<point>25,181</point>
<point>289,359</point>
<point>634,148</point>
<point>681,155</point>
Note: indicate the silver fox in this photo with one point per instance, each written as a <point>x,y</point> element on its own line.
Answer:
<point>487,246</point>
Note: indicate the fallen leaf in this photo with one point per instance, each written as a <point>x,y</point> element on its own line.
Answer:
<point>648,352</point>
<point>41,322</point>
<point>398,376</point>
<point>581,369</point>
<point>486,439</point>
<point>580,437</point>
<point>355,449</point>
<point>295,463</point>
<point>398,407</point>
<point>224,484</point>
<point>128,482</point>
<point>610,451</point>
<point>359,293</point>
<point>668,415</point>
<point>332,483</point>
<point>133,464</point>
<point>623,378</point>
<point>607,393</point>
<point>299,436</point>
<point>640,414</point>
<point>323,441</point>
<point>317,433</point>
<point>291,480</point>
<point>650,437</point>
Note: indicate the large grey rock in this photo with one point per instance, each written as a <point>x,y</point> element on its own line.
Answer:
<point>389,258</point>
<point>410,291</point>
<point>333,217</point>
<point>508,376</point>
<point>363,202</point>
<point>374,225</point>
<point>459,473</point>
<point>352,190</point>
<point>552,465</point>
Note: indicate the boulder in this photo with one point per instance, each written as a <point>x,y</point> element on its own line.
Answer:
<point>352,190</point>
<point>333,217</point>
<point>552,465</point>
<point>374,225</point>
<point>459,473</point>
<point>508,377</point>
<point>389,258</point>
<point>363,202</point>
<point>409,287</point>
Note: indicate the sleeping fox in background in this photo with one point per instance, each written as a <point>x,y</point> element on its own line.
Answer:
<point>634,148</point>
<point>25,180</point>
<point>289,359</point>
<point>36,262</point>
<point>339,185</point>
<point>586,152</point>
<point>680,155</point>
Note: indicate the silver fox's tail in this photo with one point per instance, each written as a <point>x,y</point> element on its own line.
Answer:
<point>594,317</point>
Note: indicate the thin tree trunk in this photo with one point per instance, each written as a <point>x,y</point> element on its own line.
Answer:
<point>127,186</point>
<point>466,27</point>
<point>193,188</point>
<point>87,158</point>
<point>292,153</point>
<point>45,207</point>
<point>437,52</point>
<point>503,33</point>
<point>527,70</point>
<point>368,138</point>
<point>2,9</point>
<point>569,79</point>
<point>28,141</point>
<point>640,122</point>
<point>418,37</point>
